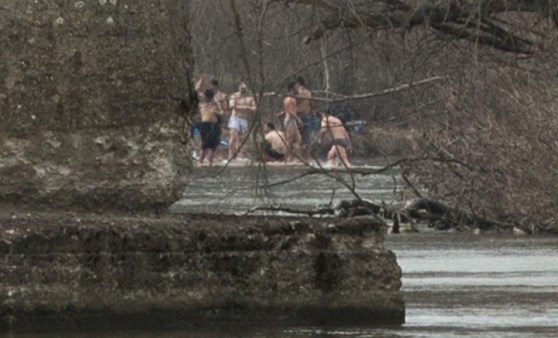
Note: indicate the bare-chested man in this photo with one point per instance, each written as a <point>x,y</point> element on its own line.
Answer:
<point>210,110</point>
<point>275,145</point>
<point>310,122</point>
<point>243,105</point>
<point>292,123</point>
<point>341,143</point>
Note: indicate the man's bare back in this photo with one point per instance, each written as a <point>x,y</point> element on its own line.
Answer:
<point>332,126</point>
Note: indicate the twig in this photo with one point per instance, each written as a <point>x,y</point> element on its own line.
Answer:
<point>341,97</point>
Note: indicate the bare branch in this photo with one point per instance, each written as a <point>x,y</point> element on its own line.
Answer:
<point>455,18</point>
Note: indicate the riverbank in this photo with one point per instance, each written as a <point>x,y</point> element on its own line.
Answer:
<point>73,270</point>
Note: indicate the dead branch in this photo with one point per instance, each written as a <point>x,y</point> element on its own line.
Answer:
<point>309,213</point>
<point>475,21</point>
<point>340,97</point>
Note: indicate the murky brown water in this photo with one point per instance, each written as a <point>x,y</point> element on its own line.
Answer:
<point>455,285</point>
<point>235,190</point>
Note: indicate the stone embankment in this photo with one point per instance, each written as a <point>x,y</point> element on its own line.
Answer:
<point>71,271</point>
<point>93,101</point>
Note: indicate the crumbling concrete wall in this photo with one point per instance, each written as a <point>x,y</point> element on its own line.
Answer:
<point>90,93</point>
<point>73,271</point>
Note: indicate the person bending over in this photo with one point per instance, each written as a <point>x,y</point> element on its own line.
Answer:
<point>341,143</point>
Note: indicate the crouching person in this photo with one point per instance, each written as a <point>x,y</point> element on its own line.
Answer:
<point>275,146</point>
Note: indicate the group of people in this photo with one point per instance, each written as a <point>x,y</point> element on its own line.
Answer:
<point>300,125</point>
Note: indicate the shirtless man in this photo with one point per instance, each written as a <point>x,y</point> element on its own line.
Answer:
<point>242,104</point>
<point>210,110</point>
<point>310,122</point>
<point>292,123</point>
<point>275,146</point>
<point>341,143</point>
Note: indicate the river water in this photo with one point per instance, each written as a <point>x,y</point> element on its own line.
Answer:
<point>455,285</point>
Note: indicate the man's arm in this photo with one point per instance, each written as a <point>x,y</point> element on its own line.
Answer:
<point>289,104</point>
<point>250,105</point>
<point>232,102</point>
<point>200,84</point>
<point>323,129</point>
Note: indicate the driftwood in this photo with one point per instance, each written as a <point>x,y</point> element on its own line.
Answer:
<point>436,214</point>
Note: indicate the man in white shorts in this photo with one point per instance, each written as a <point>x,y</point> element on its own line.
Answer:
<point>242,105</point>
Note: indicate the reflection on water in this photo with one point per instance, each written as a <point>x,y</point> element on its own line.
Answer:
<point>466,285</point>
<point>455,285</point>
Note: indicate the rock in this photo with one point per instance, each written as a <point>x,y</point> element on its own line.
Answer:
<point>90,104</point>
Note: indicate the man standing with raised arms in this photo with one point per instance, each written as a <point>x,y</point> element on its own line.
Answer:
<point>242,105</point>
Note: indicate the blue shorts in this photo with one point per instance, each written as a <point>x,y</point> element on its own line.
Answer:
<point>196,129</point>
<point>238,123</point>
<point>310,126</point>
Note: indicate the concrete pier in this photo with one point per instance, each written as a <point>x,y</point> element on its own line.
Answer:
<point>79,271</point>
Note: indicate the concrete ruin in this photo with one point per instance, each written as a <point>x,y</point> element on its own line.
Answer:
<point>75,272</point>
<point>90,94</point>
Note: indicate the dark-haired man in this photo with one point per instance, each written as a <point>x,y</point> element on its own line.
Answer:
<point>210,111</point>
<point>310,122</point>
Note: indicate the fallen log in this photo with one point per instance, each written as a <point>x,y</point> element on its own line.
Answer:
<point>437,214</point>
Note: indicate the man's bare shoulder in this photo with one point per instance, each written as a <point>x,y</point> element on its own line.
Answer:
<point>304,92</point>
<point>289,99</point>
<point>331,121</point>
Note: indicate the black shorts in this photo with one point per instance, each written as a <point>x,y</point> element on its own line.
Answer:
<point>273,154</point>
<point>341,142</point>
<point>210,135</point>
